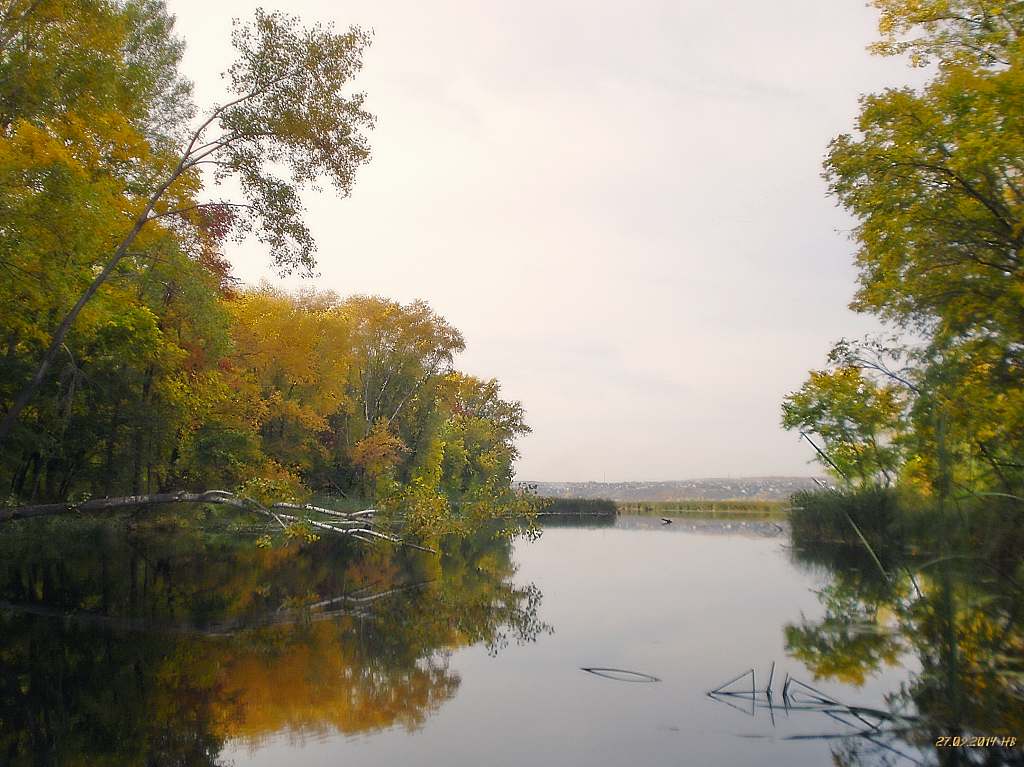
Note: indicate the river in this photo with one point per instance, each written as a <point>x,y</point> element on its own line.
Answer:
<point>188,647</point>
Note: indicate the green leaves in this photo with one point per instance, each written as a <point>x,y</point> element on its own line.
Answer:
<point>971,32</point>
<point>935,179</point>
<point>857,421</point>
<point>935,182</point>
<point>291,112</point>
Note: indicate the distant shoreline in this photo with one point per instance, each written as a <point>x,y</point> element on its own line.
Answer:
<point>736,489</point>
<point>602,507</point>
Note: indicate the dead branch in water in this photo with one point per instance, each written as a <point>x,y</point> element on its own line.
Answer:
<point>356,524</point>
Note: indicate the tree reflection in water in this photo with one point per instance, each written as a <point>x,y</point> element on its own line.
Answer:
<point>959,616</point>
<point>156,645</point>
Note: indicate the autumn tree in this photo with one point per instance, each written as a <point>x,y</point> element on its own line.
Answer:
<point>399,352</point>
<point>934,177</point>
<point>292,354</point>
<point>133,363</point>
<point>288,111</point>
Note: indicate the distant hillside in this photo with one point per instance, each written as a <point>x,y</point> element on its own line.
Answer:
<point>760,488</point>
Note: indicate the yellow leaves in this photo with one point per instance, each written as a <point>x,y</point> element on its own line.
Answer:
<point>88,146</point>
<point>916,476</point>
<point>273,483</point>
<point>28,145</point>
<point>379,452</point>
<point>103,140</point>
<point>300,531</point>
<point>295,350</point>
<point>423,508</point>
<point>277,407</point>
<point>63,202</point>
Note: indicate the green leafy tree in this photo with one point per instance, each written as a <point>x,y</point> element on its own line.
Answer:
<point>935,178</point>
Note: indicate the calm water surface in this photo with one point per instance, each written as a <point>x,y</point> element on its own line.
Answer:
<point>329,655</point>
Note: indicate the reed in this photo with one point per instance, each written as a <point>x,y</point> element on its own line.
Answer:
<point>690,506</point>
<point>854,516</point>
<point>578,506</point>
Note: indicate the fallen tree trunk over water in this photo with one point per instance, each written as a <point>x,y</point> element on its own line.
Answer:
<point>357,524</point>
<point>127,501</point>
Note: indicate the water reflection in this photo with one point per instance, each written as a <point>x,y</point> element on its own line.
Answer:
<point>189,647</point>
<point>955,620</point>
<point>159,645</point>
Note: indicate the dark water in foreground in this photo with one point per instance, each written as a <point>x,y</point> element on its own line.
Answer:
<point>190,649</point>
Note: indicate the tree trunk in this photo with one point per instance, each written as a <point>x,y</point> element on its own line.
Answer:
<point>357,524</point>
<point>115,425</point>
<point>28,392</point>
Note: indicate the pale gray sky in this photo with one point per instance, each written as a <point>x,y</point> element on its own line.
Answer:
<point>620,206</point>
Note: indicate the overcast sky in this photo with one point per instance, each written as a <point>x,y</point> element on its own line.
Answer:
<point>619,204</point>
